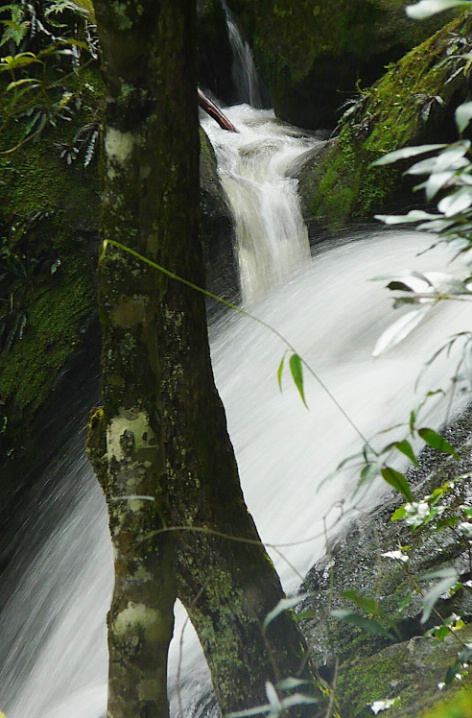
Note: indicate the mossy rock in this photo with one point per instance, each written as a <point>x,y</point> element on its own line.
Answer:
<point>409,674</point>
<point>312,54</point>
<point>412,104</point>
<point>49,215</point>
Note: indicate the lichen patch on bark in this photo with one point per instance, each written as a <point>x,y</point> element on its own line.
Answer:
<point>128,430</point>
<point>129,312</point>
<point>119,145</point>
<point>136,617</point>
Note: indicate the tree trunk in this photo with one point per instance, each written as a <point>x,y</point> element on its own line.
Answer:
<point>160,445</point>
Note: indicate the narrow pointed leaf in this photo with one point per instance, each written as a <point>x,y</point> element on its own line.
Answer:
<point>463,115</point>
<point>288,683</point>
<point>436,441</point>
<point>369,605</point>
<point>399,330</point>
<point>399,514</point>
<point>296,368</point>
<point>368,472</point>
<point>434,594</point>
<point>283,605</point>
<point>398,481</point>
<point>298,699</point>
<point>406,448</point>
<point>451,672</point>
<point>426,8</point>
<point>280,372</point>
<point>456,203</point>
<point>404,153</point>
<point>415,215</point>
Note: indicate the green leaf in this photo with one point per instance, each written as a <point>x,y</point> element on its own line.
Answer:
<point>11,62</point>
<point>272,697</point>
<point>406,448</point>
<point>296,368</point>
<point>452,671</point>
<point>399,514</point>
<point>405,153</point>
<point>405,601</point>
<point>441,632</point>
<point>398,481</point>
<point>283,605</point>
<point>280,372</point>
<point>426,8</point>
<point>449,578</point>
<point>367,604</point>
<point>288,683</point>
<point>25,81</point>
<point>414,215</point>
<point>436,441</point>
<point>298,699</point>
<point>369,625</point>
<point>368,472</point>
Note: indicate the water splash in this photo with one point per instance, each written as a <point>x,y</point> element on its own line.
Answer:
<point>254,166</point>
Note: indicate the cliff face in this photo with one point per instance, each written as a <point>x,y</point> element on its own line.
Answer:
<point>313,55</point>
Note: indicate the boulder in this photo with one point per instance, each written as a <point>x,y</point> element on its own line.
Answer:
<point>412,104</point>
<point>358,661</point>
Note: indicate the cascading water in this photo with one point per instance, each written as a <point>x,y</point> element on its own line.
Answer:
<point>52,623</point>
<point>56,590</point>
<point>245,77</point>
<point>254,167</point>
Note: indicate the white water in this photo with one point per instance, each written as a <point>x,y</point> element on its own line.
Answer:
<point>332,314</point>
<point>245,77</point>
<point>254,167</point>
<point>53,620</point>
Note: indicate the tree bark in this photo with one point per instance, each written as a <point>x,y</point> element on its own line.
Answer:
<point>159,445</point>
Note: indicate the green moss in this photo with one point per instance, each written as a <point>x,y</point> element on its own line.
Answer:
<point>459,707</point>
<point>408,671</point>
<point>400,109</point>
<point>56,208</point>
<point>51,336</point>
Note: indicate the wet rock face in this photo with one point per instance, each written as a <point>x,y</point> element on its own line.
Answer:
<point>314,54</point>
<point>366,667</point>
<point>214,51</point>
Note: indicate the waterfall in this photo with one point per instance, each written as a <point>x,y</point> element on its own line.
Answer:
<point>254,166</point>
<point>56,591</point>
<point>245,77</point>
<point>332,313</point>
<point>52,622</point>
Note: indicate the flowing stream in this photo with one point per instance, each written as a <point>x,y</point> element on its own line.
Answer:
<point>56,589</point>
